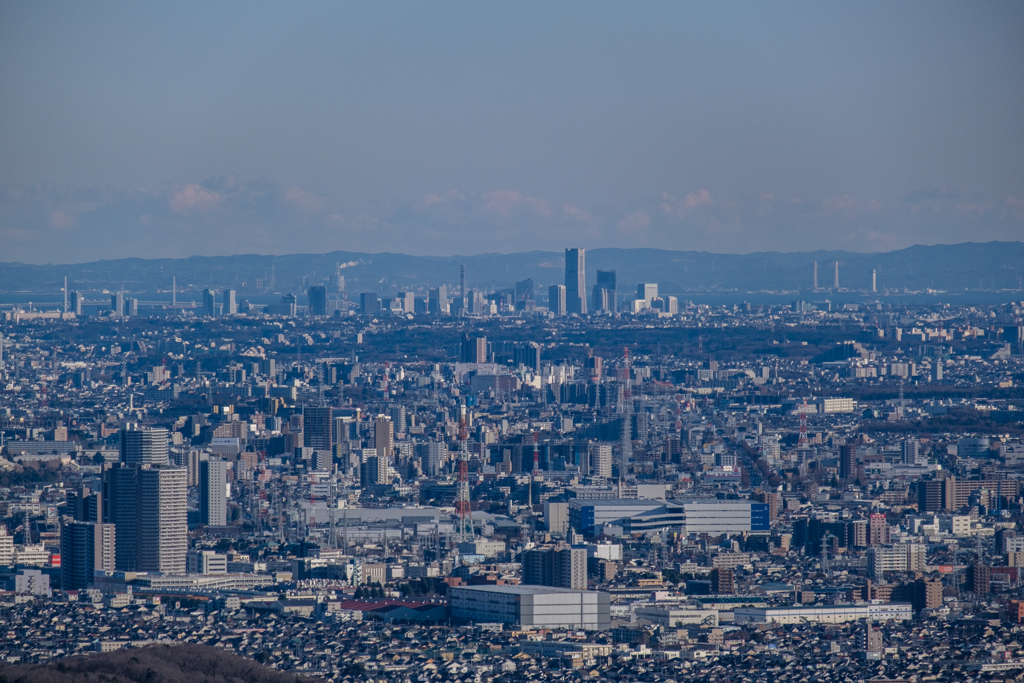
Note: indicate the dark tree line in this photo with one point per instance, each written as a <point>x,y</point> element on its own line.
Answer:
<point>163,663</point>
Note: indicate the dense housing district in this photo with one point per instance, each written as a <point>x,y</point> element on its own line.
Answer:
<point>485,487</point>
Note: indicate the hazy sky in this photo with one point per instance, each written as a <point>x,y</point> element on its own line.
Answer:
<point>173,129</point>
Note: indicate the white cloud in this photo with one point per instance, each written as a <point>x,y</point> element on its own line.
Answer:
<point>578,213</point>
<point>227,215</point>
<point>60,220</point>
<point>194,197</point>
<point>452,196</point>
<point>1015,207</point>
<point>303,200</point>
<point>638,220</point>
<point>504,202</point>
<point>681,207</point>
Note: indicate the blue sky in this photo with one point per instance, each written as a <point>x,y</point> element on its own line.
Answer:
<point>173,129</point>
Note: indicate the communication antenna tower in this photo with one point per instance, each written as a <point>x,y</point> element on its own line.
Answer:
<point>802,444</point>
<point>311,519</point>
<point>536,456</point>
<point>462,502</point>
<point>824,555</point>
<point>627,421</point>
<point>534,474</point>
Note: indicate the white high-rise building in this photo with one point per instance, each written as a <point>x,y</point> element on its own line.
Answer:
<point>647,291</point>
<point>575,281</point>
<point>162,520</point>
<point>433,456</point>
<point>6,548</point>
<point>911,451</point>
<point>601,460</point>
<point>213,502</point>
<point>143,445</point>
<point>907,557</point>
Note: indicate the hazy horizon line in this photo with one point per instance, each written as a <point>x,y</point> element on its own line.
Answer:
<point>510,253</point>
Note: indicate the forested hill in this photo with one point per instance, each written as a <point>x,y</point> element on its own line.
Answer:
<point>163,663</point>
<point>988,266</point>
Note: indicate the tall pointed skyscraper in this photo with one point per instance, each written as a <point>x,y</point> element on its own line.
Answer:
<point>575,281</point>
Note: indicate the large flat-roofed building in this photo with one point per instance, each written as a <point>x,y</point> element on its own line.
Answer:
<point>823,614</point>
<point>837,405</point>
<point>672,617</point>
<point>531,606</point>
<point>726,516</point>
<point>589,516</point>
<point>701,516</point>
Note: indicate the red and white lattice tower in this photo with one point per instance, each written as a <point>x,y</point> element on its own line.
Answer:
<point>626,448</point>
<point>802,444</point>
<point>462,503</point>
<point>534,475</point>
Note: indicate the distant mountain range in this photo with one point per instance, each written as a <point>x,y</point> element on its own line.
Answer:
<point>988,266</point>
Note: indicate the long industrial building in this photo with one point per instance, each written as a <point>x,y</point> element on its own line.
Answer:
<point>700,515</point>
<point>822,615</point>
<point>531,606</point>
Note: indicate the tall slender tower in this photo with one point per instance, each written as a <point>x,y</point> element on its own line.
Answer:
<point>802,443</point>
<point>463,508</point>
<point>174,291</point>
<point>836,283</point>
<point>462,280</point>
<point>815,276</point>
<point>65,295</point>
<point>874,281</point>
<point>575,281</point>
<point>535,474</point>
<point>626,450</point>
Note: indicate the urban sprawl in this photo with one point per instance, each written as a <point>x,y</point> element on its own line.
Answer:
<point>550,483</point>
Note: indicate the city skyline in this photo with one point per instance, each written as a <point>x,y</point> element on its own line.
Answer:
<point>412,342</point>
